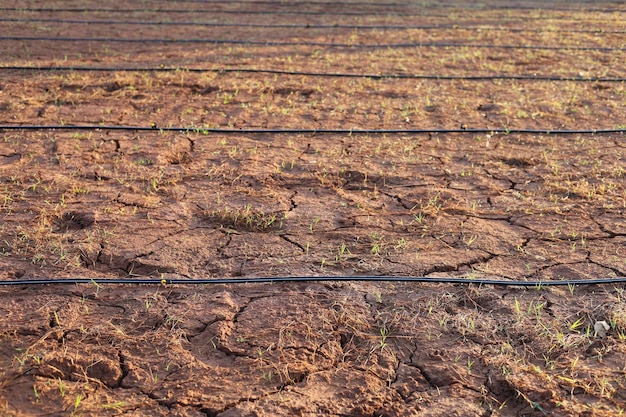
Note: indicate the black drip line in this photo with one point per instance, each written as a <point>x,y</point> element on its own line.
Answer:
<point>318,74</point>
<point>301,2</point>
<point>314,44</point>
<point>207,11</point>
<point>395,4</point>
<point>286,12</point>
<point>209,281</point>
<point>454,5</point>
<point>207,130</point>
<point>309,26</point>
<point>358,3</point>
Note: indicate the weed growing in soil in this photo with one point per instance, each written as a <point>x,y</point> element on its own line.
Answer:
<point>246,219</point>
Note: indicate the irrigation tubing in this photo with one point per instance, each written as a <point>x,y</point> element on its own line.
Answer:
<point>319,74</point>
<point>455,5</point>
<point>208,281</point>
<point>206,130</point>
<point>317,44</point>
<point>301,2</point>
<point>309,26</point>
<point>209,11</point>
<point>350,3</point>
<point>371,3</point>
<point>471,6</point>
<point>266,12</point>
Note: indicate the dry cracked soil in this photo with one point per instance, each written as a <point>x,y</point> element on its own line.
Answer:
<point>470,196</point>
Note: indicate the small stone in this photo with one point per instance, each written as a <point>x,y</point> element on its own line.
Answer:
<point>600,328</point>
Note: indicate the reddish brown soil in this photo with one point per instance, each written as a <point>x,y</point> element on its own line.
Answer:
<point>107,204</point>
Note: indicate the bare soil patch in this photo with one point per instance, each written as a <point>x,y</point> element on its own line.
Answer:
<point>104,203</point>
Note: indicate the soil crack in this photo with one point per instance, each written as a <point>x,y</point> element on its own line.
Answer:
<point>287,239</point>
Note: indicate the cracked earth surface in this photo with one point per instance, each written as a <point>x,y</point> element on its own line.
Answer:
<point>104,203</point>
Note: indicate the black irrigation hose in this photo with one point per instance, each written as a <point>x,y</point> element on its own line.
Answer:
<point>367,3</point>
<point>316,44</point>
<point>298,3</point>
<point>199,11</point>
<point>207,281</point>
<point>469,7</point>
<point>263,12</point>
<point>319,74</point>
<point>310,26</point>
<point>203,130</point>
<point>393,4</point>
<point>455,5</point>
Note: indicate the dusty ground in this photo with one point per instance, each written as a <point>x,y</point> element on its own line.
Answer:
<point>101,203</point>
